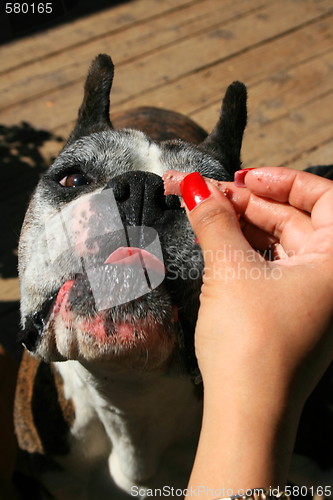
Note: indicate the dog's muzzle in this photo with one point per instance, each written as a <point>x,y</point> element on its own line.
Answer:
<point>111,243</point>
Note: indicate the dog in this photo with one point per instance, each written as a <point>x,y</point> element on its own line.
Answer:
<point>108,401</point>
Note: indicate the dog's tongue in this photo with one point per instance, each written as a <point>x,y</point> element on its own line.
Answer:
<point>135,257</point>
<point>126,256</point>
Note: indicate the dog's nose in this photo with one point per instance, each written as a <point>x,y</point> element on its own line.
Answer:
<point>140,197</point>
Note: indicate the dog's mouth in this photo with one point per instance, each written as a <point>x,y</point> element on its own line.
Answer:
<point>82,320</point>
<point>122,269</point>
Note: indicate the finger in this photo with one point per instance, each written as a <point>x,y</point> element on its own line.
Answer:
<point>279,220</point>
<point>212,217</point>
<point>301,190</point>
<point>289,226</point>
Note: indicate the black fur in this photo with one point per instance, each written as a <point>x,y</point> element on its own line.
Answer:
<point>94,111</point>
<point>225,141</point>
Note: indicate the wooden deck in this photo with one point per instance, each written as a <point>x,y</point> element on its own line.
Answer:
<point>177,54</point>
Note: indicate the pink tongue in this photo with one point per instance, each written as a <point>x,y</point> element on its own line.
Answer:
<point>134,257</point>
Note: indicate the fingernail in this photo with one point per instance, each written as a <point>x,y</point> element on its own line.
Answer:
<point>239,177</point>
<point>194,190</point>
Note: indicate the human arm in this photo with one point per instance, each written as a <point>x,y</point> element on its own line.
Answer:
<point>262,338</point>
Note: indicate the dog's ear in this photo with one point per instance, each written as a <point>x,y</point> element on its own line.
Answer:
<point>225,141</point>
<point>95,108</point>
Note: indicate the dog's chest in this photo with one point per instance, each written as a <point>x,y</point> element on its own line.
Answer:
<point>117,440</point>
<point>148,420</point>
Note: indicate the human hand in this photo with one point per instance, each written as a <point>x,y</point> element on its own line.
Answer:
<point>271,311</point>
<point>262,338</point>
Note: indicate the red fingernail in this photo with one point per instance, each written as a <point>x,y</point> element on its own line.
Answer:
<point>239,177</point>
<point>194,190</point>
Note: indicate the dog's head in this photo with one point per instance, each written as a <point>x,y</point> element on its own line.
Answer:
<point>109,267</point>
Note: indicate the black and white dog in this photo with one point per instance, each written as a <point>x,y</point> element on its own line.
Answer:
<point>110,277</point>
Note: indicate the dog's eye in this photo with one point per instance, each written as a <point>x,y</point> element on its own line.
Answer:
<point>74,180</point>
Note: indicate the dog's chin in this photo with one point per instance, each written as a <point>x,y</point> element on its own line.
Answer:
<point>141,334</point>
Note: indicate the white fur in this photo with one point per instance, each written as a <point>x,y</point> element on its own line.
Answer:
<point>128,420</point>
<point>149,157</point>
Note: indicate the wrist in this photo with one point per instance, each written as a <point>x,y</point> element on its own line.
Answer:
<point>239,451</point>
<point>244,442</point>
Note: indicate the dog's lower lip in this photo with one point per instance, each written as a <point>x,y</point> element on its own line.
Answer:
<point>133,256</point>
<point>35,324</point>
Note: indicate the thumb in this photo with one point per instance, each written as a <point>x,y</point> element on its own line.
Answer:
<point>212,217</point>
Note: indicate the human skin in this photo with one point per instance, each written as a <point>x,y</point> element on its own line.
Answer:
<point>262,337</point>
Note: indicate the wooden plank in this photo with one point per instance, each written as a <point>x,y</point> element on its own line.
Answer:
<point>283,141</point>
<point>281,92</point>
<point>9,289</point>
<point>286,90</point>
<point>26,82</point>
<point>321,155</point>
<point>85,29</point>
<point>203,90</point>
<point>199,52</point>
<point>287,140</point>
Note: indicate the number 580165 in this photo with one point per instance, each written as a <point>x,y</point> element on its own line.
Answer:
<point>28,8</point>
